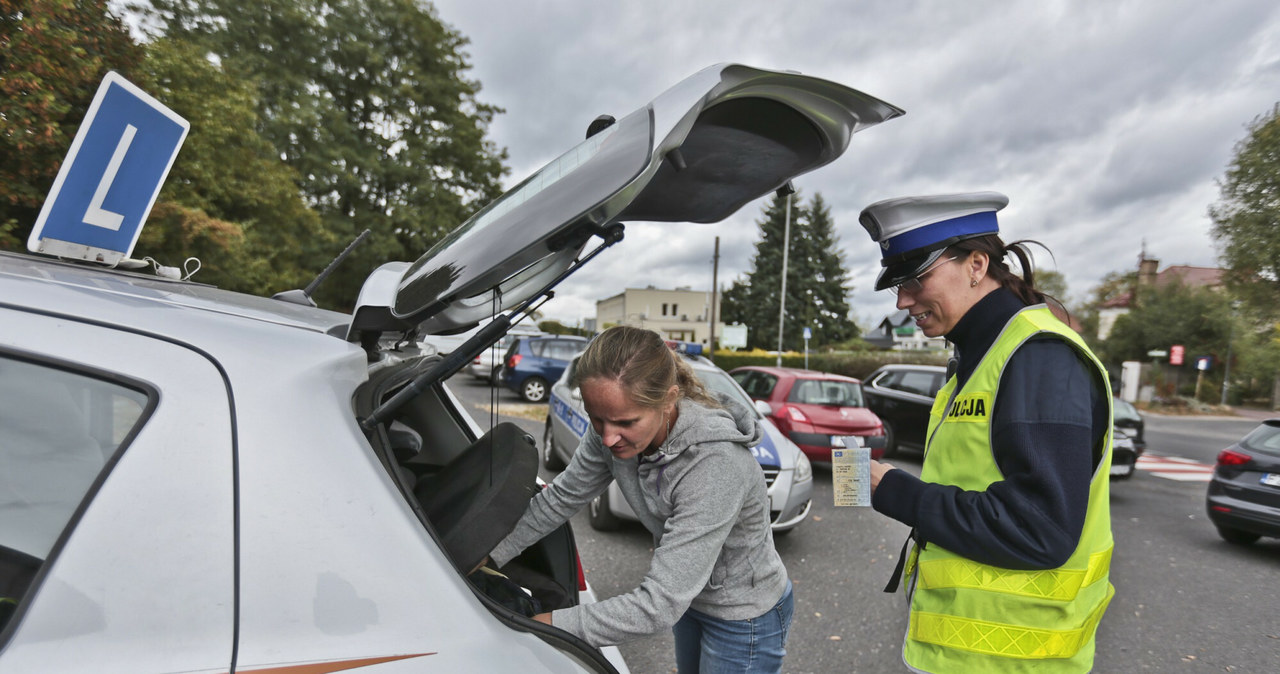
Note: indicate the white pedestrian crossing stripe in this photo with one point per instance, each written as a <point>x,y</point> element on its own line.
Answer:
<point>1175,468</point>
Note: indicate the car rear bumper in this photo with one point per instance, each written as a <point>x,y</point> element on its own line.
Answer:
<point>817,446</point>
<point>1124,462</point>
<point>1229,511</point>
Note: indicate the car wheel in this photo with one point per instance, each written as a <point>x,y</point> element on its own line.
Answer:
<point>550,458</point>
<point>1237,537</point>
<point>599,515</point>
<point>890,442</point>
<point>534,389</point>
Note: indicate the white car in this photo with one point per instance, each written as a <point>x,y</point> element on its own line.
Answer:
<point>195,480</point>
<point>787,471</point>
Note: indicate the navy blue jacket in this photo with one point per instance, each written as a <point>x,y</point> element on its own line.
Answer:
<point>1049,415</point>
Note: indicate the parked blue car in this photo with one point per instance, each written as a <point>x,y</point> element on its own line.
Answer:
<point>532,363</point>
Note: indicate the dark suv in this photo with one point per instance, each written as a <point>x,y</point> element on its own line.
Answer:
<point>902,395</point>
<point>533,362</point>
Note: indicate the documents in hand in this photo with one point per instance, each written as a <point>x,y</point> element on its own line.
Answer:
<point>851,473</point>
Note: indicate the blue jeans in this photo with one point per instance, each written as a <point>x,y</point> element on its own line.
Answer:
<point>706,645</point>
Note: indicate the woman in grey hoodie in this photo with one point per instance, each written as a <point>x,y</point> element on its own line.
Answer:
<point>683,461</point>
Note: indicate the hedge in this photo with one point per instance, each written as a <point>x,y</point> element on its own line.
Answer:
<point>856,364</point>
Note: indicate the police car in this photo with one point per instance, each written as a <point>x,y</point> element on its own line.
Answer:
<point>787,470</point>
<point>195,480</point>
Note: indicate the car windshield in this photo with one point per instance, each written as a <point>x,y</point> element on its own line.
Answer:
<point>1265,439</point>
<point>1123,411</point>
<point>719,382</point>
<point>826,392</point>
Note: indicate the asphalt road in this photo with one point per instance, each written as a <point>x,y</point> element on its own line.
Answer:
<point>1185,600</point>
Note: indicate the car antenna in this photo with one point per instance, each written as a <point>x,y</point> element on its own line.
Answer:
<point>303,296</point>
<point>485,337</point>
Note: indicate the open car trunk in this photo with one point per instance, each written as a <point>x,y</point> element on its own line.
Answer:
<point>469,493</point>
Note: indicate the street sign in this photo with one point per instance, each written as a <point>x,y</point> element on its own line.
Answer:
<point>1203,363</point>
<point>1176,352</point>
<point>110,177</point>
<point>1157,353</point>
<point>808,334</point>
<point>734,337</point>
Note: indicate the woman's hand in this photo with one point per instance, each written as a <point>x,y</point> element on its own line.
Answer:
<point>878,469</point>
<point>544,618</point>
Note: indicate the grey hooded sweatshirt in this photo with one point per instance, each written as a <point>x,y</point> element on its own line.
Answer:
<point>703,497</point>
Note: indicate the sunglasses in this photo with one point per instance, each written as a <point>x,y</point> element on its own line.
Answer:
<point>913,285</point>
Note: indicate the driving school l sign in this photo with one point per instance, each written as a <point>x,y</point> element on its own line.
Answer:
<point>110,178</point>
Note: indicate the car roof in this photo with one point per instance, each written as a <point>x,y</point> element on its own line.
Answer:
<point>115,296</point>
<point>796,373</point>
<point>918,367</point>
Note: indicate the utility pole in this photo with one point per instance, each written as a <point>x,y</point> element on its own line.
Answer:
<point>715,270</point>
<point>787,189</point>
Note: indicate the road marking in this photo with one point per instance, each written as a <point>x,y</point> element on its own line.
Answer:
<point>1175,468</point>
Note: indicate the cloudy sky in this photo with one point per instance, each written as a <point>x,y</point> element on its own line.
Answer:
<point>1106,123</point>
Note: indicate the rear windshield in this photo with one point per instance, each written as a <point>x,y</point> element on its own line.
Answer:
<point>1123,411</point>
<point>1265,439</point>
<point>825,392</point>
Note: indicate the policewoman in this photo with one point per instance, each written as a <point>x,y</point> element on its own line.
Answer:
<point>1009,571</point>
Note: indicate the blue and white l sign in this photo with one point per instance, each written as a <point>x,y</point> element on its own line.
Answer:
<point>111,175</point>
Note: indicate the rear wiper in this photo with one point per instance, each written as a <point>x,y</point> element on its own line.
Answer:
<point>486,336</point>
<point>303,296</point>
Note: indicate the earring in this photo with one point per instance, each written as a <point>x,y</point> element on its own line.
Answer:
<point>973,283</point>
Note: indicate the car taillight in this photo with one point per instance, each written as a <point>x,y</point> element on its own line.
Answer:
<point>513,361</point>
<point>1230,457</point>
<point>582,577</point>
<point>796,414</point>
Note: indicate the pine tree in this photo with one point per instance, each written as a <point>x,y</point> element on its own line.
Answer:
<point>817,283</point>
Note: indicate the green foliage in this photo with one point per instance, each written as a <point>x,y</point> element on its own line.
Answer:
<point>53,55</point>
<point>817,283</point>
<point>368,103</point>
<point>557,328</point>
<point>1052,283</point>
<point>1197,318</point>
<point>1246,219</point>
<point>229,199</point>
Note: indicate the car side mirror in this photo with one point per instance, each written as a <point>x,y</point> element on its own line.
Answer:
<point>576,393</point>
<point>763,408</point>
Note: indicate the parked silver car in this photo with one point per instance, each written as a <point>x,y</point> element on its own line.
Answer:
<point>487,365</point>
<point>787,471</point>
<point>197,480</point>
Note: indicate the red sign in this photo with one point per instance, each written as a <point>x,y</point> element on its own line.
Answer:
<point>1175,354</point>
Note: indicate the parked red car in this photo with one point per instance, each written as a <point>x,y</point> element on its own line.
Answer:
<point>811,407</point>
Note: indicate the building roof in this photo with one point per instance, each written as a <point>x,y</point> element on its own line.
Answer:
<point>1192,277</point>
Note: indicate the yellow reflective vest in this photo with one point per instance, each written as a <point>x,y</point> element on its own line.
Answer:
<point>972,617</point>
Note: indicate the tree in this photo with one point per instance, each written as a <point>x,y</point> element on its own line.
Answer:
<point>368,102</point>
<point>1246,218</point>
<point>53,55</point>
<point>1200,319</point>
<point>1111,287</point>
<point>229,200</point>
<point>817,283</point>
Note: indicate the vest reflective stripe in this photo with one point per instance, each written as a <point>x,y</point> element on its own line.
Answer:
<point>972,617</point>
<point>1008,641</point>
<point>1059,584</point>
